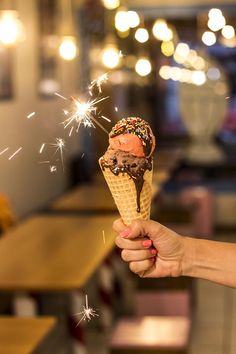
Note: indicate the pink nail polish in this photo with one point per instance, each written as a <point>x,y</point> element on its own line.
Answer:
<point>125,233</point>
<point>153,251</point>
<point>147,243</point>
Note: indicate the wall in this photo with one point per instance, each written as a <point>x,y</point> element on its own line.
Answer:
<point>29,184</point>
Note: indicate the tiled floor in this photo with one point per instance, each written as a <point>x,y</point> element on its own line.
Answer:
<point>214,325</point>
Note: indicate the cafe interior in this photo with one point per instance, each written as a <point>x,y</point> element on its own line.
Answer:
<point>64,287</point>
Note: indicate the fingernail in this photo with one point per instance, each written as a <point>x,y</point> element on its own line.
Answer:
<point>153,251</point>
<point>147,243</point>
<point>125,233</point>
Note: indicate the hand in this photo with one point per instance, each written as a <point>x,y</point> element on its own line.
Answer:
<point>151,249</point>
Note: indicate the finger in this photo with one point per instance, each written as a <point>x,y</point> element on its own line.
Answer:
<point>143,228</point>
<point>136,244</point>
<point>141,266</point>
<point>137,255</point>
<point>119,226</point>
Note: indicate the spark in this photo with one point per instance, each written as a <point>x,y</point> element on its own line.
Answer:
<point>121,54</point>
<point>98,82</point>
<point>58,94</point>
<point>87,313</point>
<point>47,161</point>
<point>2,152</point>
<point>16,152</point>
<point>30,115</point>
<point>107,119</point>
<point>53,168</point>
<point>103,236</point>
<point>82,155</point>
<point>60,145</point>
<point>41,149</point>
<point>116,109</point>
<point>72,128</point>
<point>84,114</point>
<point>227,97</point>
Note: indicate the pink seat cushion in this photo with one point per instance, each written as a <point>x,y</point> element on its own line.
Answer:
<point>163,303</point>
<point>152,332</point>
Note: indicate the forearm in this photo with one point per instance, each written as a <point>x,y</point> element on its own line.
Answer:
<point>211,260</point>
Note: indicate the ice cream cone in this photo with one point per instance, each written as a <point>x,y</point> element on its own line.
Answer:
<point>124,192</point>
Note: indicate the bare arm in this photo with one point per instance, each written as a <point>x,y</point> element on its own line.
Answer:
<point>169,254</point>
<point>211,260</point>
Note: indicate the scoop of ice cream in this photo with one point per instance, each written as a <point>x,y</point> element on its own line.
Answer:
<point>128,143</point>
<point>132,135</point>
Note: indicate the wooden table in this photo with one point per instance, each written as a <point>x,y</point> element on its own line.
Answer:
<point>23,335</point>
<point>86,198</point>
<point>54,252</point>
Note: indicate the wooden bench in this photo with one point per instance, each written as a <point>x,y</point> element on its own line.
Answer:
<point>23,335</point>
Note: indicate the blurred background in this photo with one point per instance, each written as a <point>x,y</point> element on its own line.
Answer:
<point>172,64</point>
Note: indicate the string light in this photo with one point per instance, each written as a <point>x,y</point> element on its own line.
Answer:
<point>133,19</point>
<point>110,56</point>
<point>161,31</point>
<point>209,38</point>
<point>228,32</point>
<point>68,48</point>
<point>11,28</point>
<point>141,35</point>
<point>143,67</point>
<point>111,4</point>
<point>167,48</point>
<point>122,21</point>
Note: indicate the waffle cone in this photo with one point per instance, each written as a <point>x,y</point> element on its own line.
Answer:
<point>123,190</point>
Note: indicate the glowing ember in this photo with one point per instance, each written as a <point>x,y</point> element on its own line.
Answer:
<point>87,313</point>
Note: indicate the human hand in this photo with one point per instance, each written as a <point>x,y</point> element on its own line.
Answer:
<point>151,249</point>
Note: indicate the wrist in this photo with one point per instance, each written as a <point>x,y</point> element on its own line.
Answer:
<point>188,256</point>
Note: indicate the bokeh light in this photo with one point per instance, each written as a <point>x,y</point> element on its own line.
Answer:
<point>143,67</point>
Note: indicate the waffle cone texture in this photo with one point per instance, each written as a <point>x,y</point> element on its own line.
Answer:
<point>124,193</point>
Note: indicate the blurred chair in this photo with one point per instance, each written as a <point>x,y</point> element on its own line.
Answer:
<point>7,215</point>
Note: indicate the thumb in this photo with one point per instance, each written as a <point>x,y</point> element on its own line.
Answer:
<point>143,228</point>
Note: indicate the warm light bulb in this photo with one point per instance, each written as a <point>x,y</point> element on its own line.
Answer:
<point>228,32</point>
<point>208,38</point>
<point>122,21</point>
<point>167,48</point>
<point>141,35</point>
<point>143,67</point>
<point>111,57</point>
<point>111,4</point>
<point>164,72</point>
<point>161,31</point>
<point>67,48</point>
<point>133,19</point>
<point>182,49</point>
<point>175,73</point>
<point>215,24</point>
<point>11,28</point>
<point>215,13</point>
<point>198,77</point>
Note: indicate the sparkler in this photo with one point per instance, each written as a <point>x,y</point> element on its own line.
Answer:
<point>98,83</point>
<point>87,313</point>
<point>84,114</point>
<point>60,145</point>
